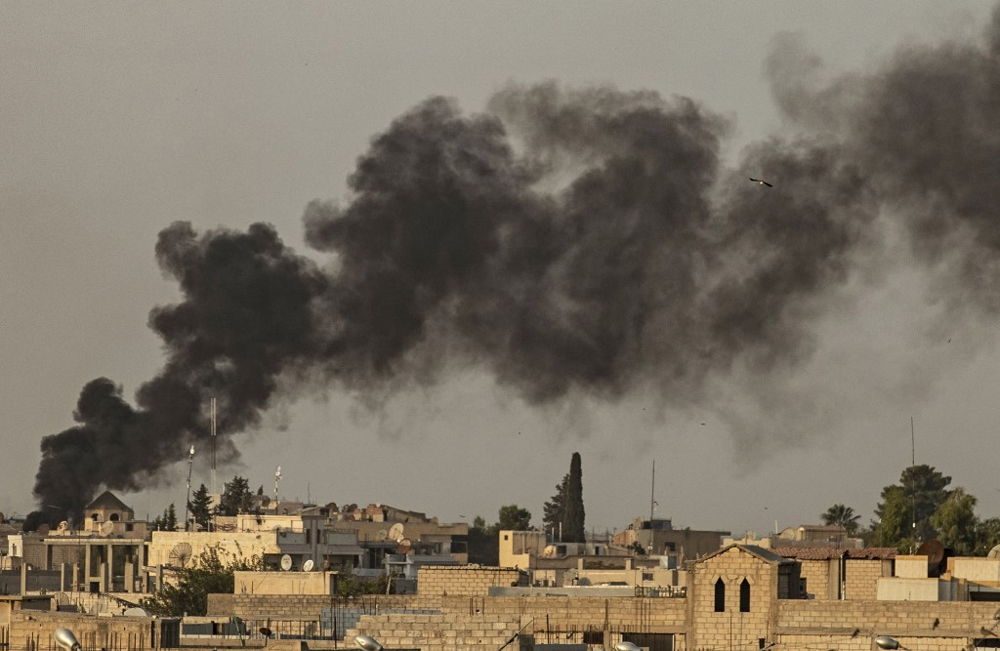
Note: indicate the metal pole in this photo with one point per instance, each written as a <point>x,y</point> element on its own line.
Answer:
<point>652,492</point>
<point>187,502</point>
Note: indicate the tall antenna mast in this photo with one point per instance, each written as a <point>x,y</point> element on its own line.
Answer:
<point>913,494</point>
<point>277,478</point>
<point>652,492</point>
<point>213,445</point>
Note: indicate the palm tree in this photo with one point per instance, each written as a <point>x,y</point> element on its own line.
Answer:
<point>843,516</point>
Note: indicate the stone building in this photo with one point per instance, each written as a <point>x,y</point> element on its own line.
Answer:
<point>659,537</point>
<point>741,597</point>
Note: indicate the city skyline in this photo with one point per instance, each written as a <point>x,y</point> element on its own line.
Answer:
<point>120,122</point>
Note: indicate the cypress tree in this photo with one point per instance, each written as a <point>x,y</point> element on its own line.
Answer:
<point>573,523</point>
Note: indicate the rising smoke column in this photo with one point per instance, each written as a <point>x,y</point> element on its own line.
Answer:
<point>589,259</point>
<point>925,129</point>
<point>568,241</point>
<point>246,318</point>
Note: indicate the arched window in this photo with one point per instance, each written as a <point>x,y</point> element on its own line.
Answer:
<point>720,596</point>
<point>114,517</point>
<point>745,596</point>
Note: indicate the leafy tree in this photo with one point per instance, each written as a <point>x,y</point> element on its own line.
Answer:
<point>514,518</point>
<point>574,517</point>
<point>167,521</point>
<point>842,516</point>
<point>987,536</point>
<point>906,508</point>
<point>484,546</point>
<point>201,507</point>
<point>349,585</point>
<point>236,497</point>
<point>956,523</point>
<point>206,575</point>
<point>554,511</point>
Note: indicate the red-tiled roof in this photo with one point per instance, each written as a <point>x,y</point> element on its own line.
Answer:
<point>873,553</point>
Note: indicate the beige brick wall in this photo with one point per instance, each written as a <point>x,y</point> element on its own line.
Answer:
<point>945,625</point>
<point>732,628</point>
<point>469,580</point>
<point>438,632</point>
<point>34,630</point>
<point>861,579</point>
<point>817,576</point>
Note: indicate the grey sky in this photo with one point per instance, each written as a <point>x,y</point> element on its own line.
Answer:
<point>118,119</point>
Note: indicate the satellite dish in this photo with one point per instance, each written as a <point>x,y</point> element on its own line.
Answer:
<point>107,528</point>
<point>135,612</point>
<point>381,535</point>
<point>286,562</point>
<point>626,646</point>
<point>180,554</point>
<point>396,531</point>
<point>404,546</point>
<point>886,642</point>
<point>367,643</point>
<point>63,526</point>
<point>933,550</point>
<point>308,566</point>
<point>66,639</point>
<point>994,553</point>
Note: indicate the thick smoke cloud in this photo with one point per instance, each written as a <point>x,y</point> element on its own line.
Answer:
<point>582,242</point>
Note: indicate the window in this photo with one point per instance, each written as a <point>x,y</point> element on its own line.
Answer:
<point>128,526</point>
<point>593,637</point>
<point>745,596</point>
<point>114,517</point>
<point>720,596</point>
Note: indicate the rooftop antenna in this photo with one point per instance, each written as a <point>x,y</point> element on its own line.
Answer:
<point>913,494</point>
<point>187,502</point>
<point>277,478</point>
<point>652,491</point>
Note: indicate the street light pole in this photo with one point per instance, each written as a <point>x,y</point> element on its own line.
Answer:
<point>187,502</point>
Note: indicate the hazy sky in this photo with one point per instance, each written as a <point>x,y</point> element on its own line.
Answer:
<point>117,119</point>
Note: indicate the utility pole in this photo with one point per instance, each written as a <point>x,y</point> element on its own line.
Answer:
<point>187,502</point>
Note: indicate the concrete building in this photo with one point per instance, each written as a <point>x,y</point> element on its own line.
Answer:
<point>803,535</point>
<point>963,579</point>
<point>829,573</point>
<point>106,554</point>
<point>658,537</point>
<point>741,597</point>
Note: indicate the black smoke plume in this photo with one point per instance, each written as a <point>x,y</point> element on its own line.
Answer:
<point>571,242</point>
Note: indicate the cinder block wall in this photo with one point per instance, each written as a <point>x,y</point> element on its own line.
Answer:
<point>439,631</point>
<point>463,579</point>
<point>34,630</point>
<point>861,579</point>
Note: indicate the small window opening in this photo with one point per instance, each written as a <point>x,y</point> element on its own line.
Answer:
<point>745,596</point>
<point>720,596</point>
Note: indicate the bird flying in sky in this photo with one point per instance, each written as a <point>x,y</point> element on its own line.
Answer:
<point>761,182</point>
